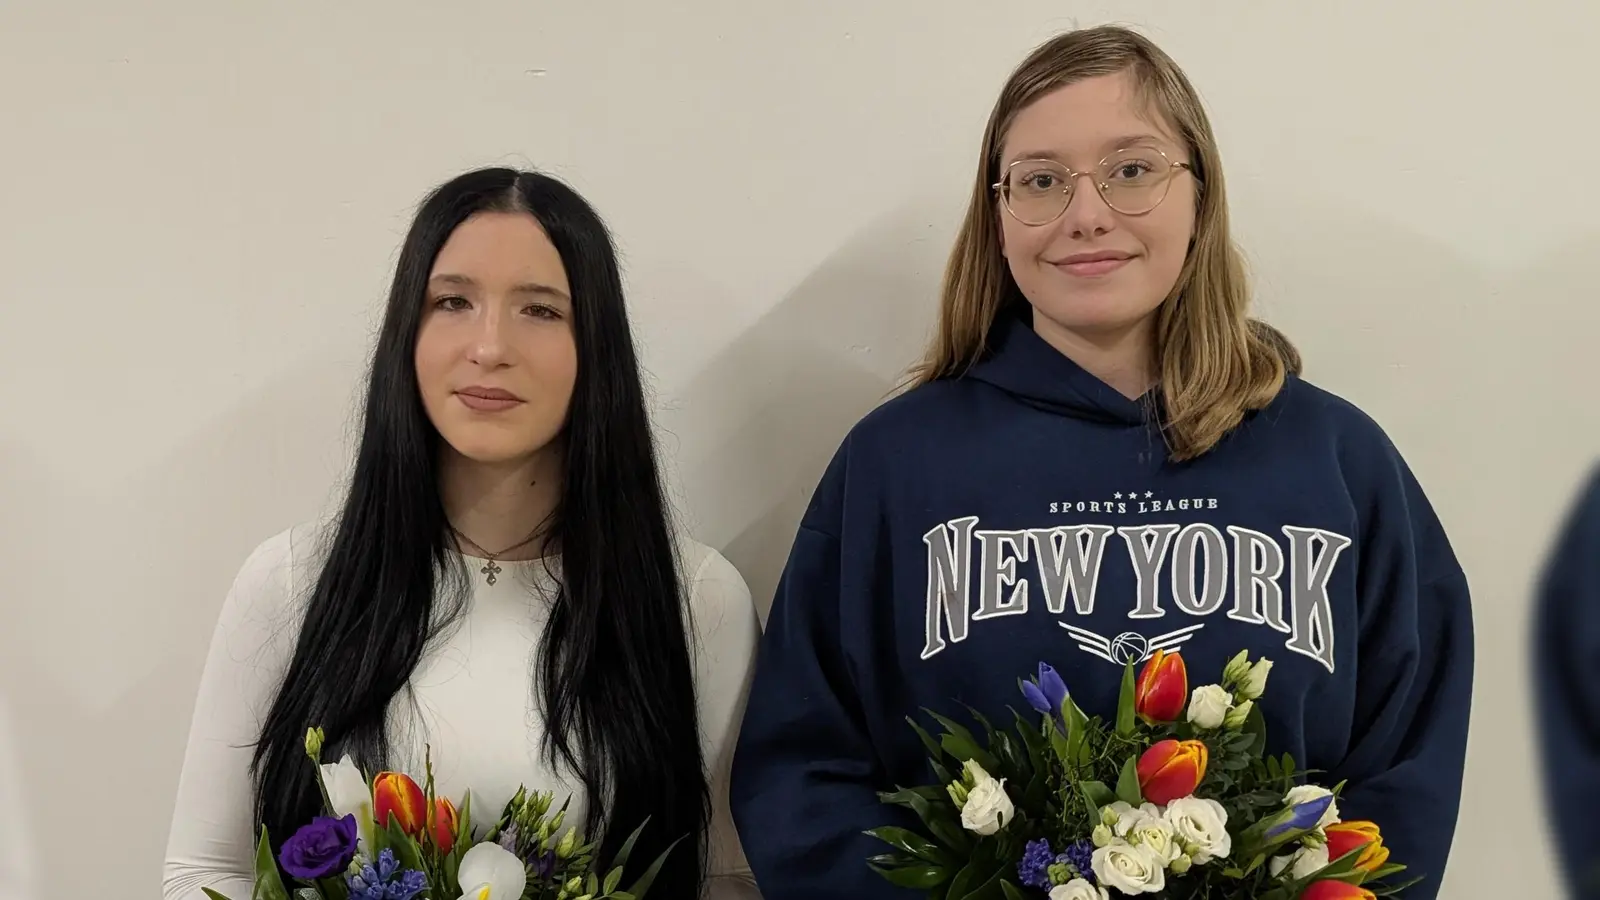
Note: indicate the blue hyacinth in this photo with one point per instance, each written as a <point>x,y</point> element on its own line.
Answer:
<point>386,881</point>
<point>1034,870</point>
<point>1080,856</point>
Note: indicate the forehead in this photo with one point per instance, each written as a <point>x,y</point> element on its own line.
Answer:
<point>501,247</point>
<point>1082,122</point>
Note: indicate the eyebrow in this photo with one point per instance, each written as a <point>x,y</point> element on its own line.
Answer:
<point>1110,146</point>
<point>531,287</point>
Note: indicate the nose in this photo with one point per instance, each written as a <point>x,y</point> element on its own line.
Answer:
<point>1087,215</point>
<point>488,346</point>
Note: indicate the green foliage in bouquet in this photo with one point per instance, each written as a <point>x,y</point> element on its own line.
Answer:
<point>1175,798</point>
<point>389,839</point>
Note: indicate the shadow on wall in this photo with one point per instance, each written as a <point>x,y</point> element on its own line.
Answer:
<point>756,427</point>
<point>109,649</point>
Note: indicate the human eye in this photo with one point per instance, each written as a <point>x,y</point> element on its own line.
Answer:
<point>543,311</point>
<point>451,303</point>
<point>1130,170</point>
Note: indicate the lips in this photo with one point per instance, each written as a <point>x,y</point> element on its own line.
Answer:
<point>1100,262</point>
<point>487,399</point>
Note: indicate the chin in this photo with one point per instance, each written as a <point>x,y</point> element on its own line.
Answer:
<point>1096,316</point>
<point>491,452</point>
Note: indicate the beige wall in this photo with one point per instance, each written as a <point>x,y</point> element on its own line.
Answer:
<point>200,203</point>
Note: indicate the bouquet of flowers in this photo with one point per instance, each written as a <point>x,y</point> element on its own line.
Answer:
<point>1176,798</point>
<point>391,839</point>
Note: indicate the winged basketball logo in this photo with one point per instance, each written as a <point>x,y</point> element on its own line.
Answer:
<point>1129,646</point>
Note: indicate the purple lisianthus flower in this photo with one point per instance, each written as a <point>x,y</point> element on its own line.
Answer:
<point>1047,693</point>
<point>1034,870</point>
<point>1302,815</point>
<point>321,848</point>
<point>543,864</point>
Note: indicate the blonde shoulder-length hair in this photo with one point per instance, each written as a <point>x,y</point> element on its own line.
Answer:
<point>1213,362</point>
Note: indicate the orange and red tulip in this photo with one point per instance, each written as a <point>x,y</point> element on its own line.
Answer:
<point>1328,889</point>
<point>1171,769</point>
<point>1162,688</point>
<point>445,820</point>
<point>1343,837</point>
<point>396,796</point>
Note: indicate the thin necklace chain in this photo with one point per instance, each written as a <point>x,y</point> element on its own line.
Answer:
<point>491,568</point>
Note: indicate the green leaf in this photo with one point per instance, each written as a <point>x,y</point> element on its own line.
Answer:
<point>1126,702</point>
<point>934,751</point>
<point>1383,872</point>
<point>984,890</point>
<point>406,851</point>
<point>638,888</point>
<point>626,850</point>
<point>1128,790</point>
<point>960,743</point>
<point>464,820</point>
<point>612,880</point>
<point>1255,725</point>
<point>452,870</point>
<point>268,883</point>
<point>1389,890</point>
<point>1011,891</point>
<point>1095,796</point>
<point>920,878</point>
<point>914,844</point>
<point>962,884</point>
<point>940,825</point>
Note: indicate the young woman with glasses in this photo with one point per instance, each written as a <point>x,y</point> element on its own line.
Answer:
<point>1101,455</point>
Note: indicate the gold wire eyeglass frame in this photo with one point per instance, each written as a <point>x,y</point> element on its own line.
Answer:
<point>1069,189</point>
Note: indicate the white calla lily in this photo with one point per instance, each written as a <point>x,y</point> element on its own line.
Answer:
<point>350,795</point>
<point>491,872</point>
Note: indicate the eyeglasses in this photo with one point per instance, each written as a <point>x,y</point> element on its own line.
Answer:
<point>1132,181</point>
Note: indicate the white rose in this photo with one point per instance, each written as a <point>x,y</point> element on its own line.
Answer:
<point>1303,863</point>
<point>1304,793</point>
<point>1129,868</point>
<point>1157,835</point>
<point>1124,818</point>
<point>1078,889</point>
<point>1254,682</point>
<point>1209,705</point>
<point>988,807</point>
<point>1202,826</point>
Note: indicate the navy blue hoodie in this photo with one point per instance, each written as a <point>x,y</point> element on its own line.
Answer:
<point>1566,680</point>
<point>971,528</point>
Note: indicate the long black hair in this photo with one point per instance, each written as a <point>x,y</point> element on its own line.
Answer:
<point>615,677</point>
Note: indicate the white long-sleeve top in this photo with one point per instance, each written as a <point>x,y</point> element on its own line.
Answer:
<point>473,706</point>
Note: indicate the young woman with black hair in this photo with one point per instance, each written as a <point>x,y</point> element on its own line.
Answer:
<point>502,584</point>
